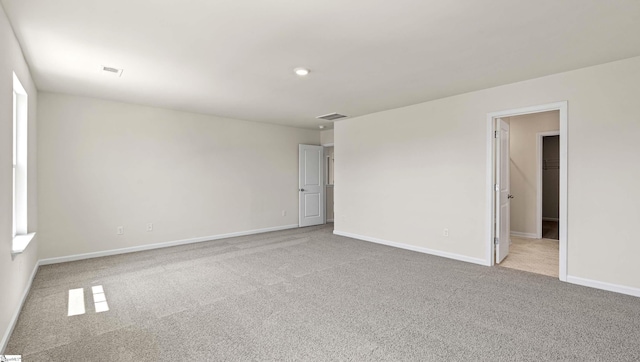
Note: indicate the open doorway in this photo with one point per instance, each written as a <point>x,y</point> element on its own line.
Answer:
<point>528,161</point>
<point>549,184</point>
<point>516,170</point>
<point>329,182</point>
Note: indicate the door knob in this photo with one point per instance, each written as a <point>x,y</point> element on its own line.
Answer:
<point>510,196</point>
<point>301,190</point>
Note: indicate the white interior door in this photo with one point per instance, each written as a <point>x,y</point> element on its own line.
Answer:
<point>503,190</point>
<point>311,185</point>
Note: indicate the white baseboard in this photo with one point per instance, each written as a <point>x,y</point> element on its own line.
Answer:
<point>16,313</point>
<point>419,249</point>
<point>604,286</point>
<point>550,219</point>
<point>524,235</point>
<point>133,249</point>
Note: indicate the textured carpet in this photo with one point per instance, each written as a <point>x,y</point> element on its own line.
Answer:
<point>540,256</point>
<point>306,294</point>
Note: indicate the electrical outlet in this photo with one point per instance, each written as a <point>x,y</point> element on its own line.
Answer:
<point>150,226</point>
<point>284,212</point>
<point>120,230</point>
<point>445,232</point>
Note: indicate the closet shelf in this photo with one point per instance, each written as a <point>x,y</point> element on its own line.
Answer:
<point>551,164</point>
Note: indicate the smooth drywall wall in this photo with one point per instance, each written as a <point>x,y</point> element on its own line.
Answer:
<point>15,273</point>
<point>551,178</point>
<point>523,136</point>
<point>326,137</point>
<point>107,164</point>
<point>404,175</point>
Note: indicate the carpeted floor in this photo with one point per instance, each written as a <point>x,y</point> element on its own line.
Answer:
<point>306,294</point>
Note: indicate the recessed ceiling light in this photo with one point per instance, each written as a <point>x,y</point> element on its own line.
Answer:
<point>112,70</point>
<point>301,71</point>
<point>321,126</point>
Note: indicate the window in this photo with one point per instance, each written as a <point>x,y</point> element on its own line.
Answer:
<point>21,237</point>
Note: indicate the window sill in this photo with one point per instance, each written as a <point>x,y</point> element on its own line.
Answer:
<point>20,243</point>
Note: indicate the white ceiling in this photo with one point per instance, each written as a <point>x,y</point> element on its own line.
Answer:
<point>235,58</point>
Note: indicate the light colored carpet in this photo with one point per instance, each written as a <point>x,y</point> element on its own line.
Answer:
<point>306,294</point>
<point>539,256</point>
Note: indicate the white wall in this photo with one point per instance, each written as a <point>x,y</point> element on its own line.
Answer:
<point>326,137</point>
<point>406,174</point>
<point>524,176</point>
<point>106,164</point>
<point>14,274</point>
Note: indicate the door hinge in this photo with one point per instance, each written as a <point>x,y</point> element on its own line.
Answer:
<point>495,134</point>
<point>495,241</point>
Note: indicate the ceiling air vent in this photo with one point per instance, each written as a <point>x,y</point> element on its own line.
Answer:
<point>115,71</point>
<point>331,116</point>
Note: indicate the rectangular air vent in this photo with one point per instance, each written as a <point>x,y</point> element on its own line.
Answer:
<point>112,70</point>
<point>331,116</point>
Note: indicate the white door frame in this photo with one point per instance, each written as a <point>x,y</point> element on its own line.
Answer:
<point>491,181</point>
<point>539,137</point>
